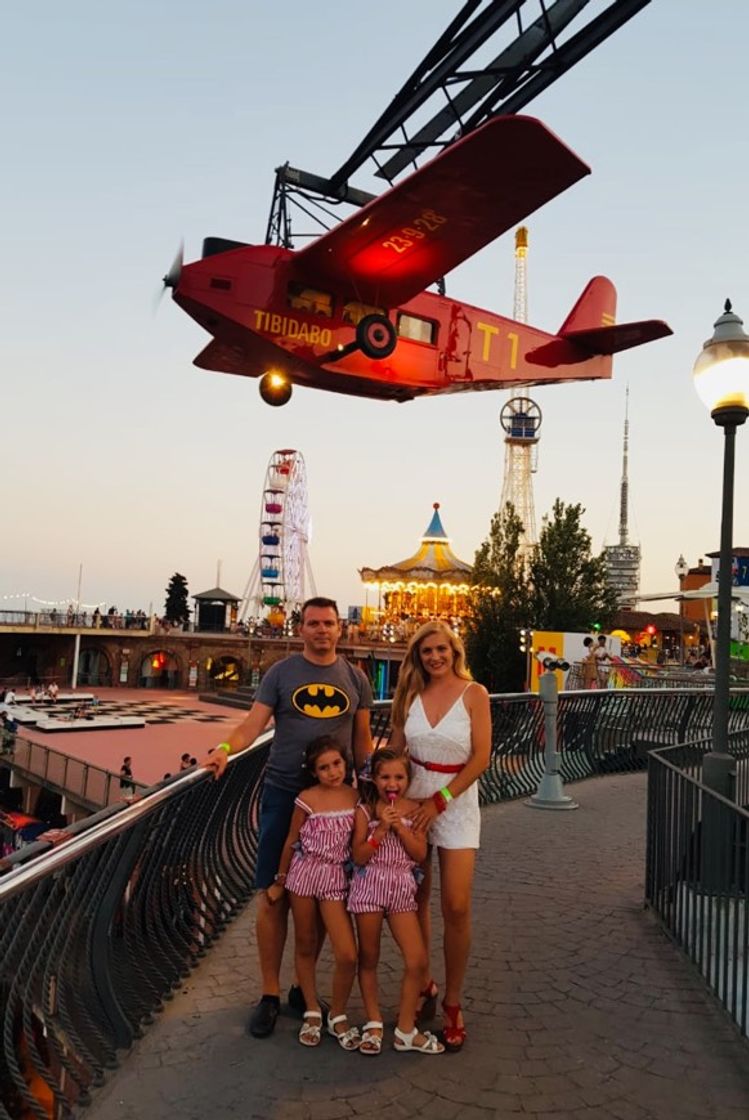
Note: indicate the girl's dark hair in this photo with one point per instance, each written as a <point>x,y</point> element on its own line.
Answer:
<point>313,751</point>
<point>376,760</point>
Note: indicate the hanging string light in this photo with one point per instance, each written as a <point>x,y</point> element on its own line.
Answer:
<point>27,596</point>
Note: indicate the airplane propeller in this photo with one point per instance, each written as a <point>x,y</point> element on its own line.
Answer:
<point>171,280</point>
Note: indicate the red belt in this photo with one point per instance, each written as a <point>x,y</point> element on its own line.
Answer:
<point>439,767</point>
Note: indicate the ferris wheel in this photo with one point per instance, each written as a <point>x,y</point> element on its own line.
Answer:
<point>282,571</point>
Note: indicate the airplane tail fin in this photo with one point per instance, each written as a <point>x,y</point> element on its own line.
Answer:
<point>595,308</point>
<point>592,324</point>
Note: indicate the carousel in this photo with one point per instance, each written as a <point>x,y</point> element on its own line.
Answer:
<point>433,583</point>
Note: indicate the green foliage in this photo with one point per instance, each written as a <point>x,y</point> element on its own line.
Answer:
<point>176,607</point>
<point>562,587</point>
<point>567,584</point>
<point>499,607</point>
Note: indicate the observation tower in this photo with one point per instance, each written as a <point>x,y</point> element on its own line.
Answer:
<point>521,420</point>
<point>623,559</point>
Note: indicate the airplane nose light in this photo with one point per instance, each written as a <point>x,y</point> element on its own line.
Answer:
<point>275,389</point>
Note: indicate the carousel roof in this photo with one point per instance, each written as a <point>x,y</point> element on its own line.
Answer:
<point>435,561</point>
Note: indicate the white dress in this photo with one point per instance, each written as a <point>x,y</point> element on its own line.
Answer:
<point>448,743</point>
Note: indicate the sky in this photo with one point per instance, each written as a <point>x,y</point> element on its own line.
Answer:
<point>128,127</point>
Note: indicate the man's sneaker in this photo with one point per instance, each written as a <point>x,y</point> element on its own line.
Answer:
<point>263,1018</point>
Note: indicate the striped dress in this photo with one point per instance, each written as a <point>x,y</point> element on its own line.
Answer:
<point>387,881</point>
<point>318,867</point>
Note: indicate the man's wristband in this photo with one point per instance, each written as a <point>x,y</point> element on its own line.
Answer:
<point>224,747</point>
<point>373,842</point>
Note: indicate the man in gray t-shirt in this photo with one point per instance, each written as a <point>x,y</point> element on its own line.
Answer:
<point>309,700</point>
<point>308,694</point>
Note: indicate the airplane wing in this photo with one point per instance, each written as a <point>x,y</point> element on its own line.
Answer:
<point>619,336</point>
<point>221,358</point>
<point>423,227</point>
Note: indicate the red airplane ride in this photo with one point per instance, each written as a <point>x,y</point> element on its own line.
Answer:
<point>349,313</point>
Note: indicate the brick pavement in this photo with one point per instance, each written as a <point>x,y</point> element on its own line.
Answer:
<point>577,1005</point>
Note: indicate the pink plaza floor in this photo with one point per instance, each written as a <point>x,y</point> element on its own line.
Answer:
<point>156,748</point>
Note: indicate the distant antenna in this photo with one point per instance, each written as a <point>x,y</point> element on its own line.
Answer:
<point>623,559</point>
<point>624,493</point>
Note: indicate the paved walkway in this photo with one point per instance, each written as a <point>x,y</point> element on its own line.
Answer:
<point>577,1005</point>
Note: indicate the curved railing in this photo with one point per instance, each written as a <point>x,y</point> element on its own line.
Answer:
<point>96,934</point>
<point>91,786</point>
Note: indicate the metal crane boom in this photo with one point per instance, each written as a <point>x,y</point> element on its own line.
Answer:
<point>540,52</point>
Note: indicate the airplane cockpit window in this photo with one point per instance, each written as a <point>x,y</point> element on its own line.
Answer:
<point>302,298</point>
<point>354,312</point>
<point>417,329</point>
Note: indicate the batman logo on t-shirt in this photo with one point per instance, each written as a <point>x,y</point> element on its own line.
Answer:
<point>320,701</point>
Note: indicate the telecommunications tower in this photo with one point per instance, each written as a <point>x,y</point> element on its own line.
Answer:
<point>623,559</point>
<point>521,419</point>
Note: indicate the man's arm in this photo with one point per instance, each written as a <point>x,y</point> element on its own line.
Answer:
<point>362,738</point>
<point>242,736</point>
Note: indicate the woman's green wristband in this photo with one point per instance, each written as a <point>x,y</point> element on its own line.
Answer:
<point>224,747</point>
<point>446,794</point>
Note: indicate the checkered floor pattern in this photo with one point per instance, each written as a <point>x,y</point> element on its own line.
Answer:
<point>150,710</point>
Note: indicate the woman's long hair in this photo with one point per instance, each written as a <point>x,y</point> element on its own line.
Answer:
<point>412,679</point>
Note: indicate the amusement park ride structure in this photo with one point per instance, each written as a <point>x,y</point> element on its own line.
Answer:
<point>349,312</point>
<point>520,419</point>
<point>282,575</point>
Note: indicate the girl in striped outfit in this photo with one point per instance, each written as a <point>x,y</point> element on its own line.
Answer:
<point>313,871</point>
<point>387,850</point>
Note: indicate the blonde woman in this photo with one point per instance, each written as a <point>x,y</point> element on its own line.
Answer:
<point>441,717</point>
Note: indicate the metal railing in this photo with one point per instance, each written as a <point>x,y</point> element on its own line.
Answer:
<point>96,934</point>
<point>76,620</point>
<point>91,786</point>
<point>630,674</point>
<point>697,867</point>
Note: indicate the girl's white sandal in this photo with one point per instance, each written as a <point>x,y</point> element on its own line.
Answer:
<point>405,1042</point>
<point>371,1043</point>
<point>310,1034</point>
<point>347,1040</point>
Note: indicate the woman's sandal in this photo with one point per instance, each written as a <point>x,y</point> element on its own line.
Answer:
<point>428,1007</point>
<point>454,1033</point>
<point>310,1034</point>
<point>371,1043</point>
<point>407,1042</point>
<point>349,1039</point>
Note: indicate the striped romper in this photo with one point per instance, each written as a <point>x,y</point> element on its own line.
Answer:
<point>318,867</point>
<point>386,882</point>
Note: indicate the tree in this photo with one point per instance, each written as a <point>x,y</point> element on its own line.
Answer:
<point>499,607</point>
<point>561,587</point>
<point>176,608</point>
<point>568,590</point>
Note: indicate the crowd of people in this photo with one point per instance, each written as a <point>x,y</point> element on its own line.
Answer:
<point>346,834</point>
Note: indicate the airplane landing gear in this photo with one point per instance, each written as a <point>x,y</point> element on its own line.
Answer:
<point>375,336</point>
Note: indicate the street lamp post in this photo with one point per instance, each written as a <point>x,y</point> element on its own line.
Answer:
<point>721,378</point>
<point>681,568</point>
